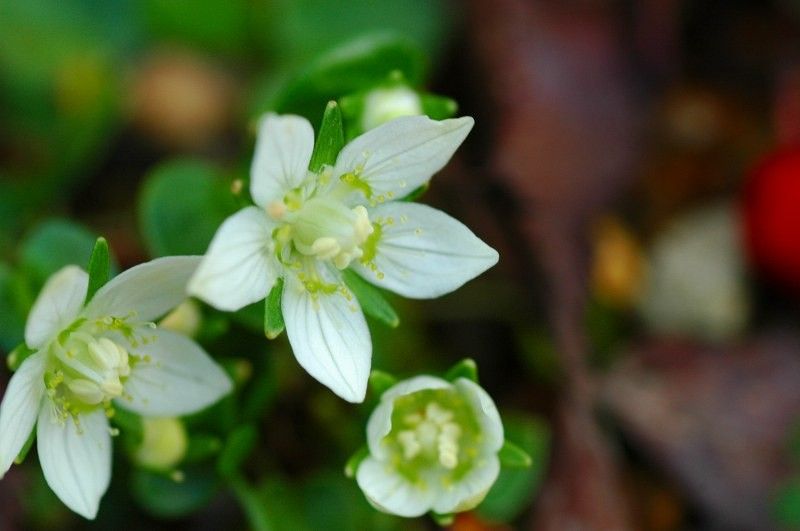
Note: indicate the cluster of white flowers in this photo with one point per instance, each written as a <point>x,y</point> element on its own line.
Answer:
<point>306,228</point>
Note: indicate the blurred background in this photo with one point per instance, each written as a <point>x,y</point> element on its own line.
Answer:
<point>636,163</point>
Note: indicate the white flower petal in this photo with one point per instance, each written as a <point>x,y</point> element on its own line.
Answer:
<point>238,268</point>
<point>280,162</point>
<point>19,409</point>
<point>179,378</point>
<point>485,409</point>
<point>76,460</point>
<point>390,492</point>
<point>380,422</point>
<point>470,490</point>
<point>147,290</point>
<point>401,155</point>
<point>330,339</point>
<point>424,253</point>
<point>58,304</point>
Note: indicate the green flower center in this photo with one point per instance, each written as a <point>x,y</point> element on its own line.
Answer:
<point>327,229</point>
<point>86,368</point>
<point>434,431</point>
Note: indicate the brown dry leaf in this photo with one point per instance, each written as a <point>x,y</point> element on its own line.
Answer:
<point>716,420</point>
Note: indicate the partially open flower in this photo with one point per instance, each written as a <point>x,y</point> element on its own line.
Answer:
<point>433,446</point>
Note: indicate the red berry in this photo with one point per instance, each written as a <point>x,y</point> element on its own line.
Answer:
<point>772,216</point>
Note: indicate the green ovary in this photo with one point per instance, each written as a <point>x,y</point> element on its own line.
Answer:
<point>434,432</point>
<point>328,230</point>
<point>85,371</point>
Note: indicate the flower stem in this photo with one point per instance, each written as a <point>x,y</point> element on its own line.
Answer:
<point>251,504</point>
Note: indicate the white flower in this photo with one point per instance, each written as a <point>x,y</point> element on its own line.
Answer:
<point>90,357</point>
<point>433,447</point>
<point>308,227</point>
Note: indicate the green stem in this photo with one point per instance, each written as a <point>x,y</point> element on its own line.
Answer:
<point>248,499</point>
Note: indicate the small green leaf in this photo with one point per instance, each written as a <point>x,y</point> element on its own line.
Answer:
<point>786,505</point>
<point>201,447</point>
<point>466,368</point>
<point>516,488</point>
<point>18,355</point>
<point>438,107</point>
<point>130,423</point>
<point>99,267</point>
<point>380,381</point>
<point>416,193</point>
<point>164,497</point>
<point>371,300</point>
<point>273,313</point>
<point>443,520</point>
<point>355,460</point>
<point>178,194</point>
<point>513,456</point>
<point>26,448</point>
<point>238,446</point>
<point>330,139</point>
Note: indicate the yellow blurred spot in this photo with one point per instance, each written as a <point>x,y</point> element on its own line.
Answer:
<point>619,265</point>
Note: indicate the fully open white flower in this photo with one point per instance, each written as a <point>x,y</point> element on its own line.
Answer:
<point>309,226</point>
<point>433,447</point>
<point>89,357</point>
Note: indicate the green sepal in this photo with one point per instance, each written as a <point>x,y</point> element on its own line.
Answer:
<point>201,447</point>
<point>273,314</point>
<point>380,381</point>
<point>99,268</point>
<point>238,446</point>
<point>18,355</point>
<point>371,300</point>
<point>416,193</point>
<point>443,520</point>
<point>130,423</point>
<point>466,368</point>
<point>438,107</point>
<point>330,139</point>
<point>23,453</point>
<point>351,467</point>
<point>512,456</point>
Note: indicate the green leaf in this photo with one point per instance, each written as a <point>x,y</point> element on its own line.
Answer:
<point>380,381</point>
<point>515,488</point>
<point>238,446</point>
<point>466,368</point>
<point>273,313</point>
<point>201,447</point>
<point>786,506</point>
<point>213,25</point>
<point>18,355</point>
<point>513,456</point>
<point>416,193</point>
<point>438,107</point>
<point>330,139</point>
<point>129,423</point>
<point>351,67</point>
<point>13,307</point>
<point>351,467</point>
<point>371,300</point>
<point>183,203</point>
<point>52,245</point>
<point>163,497</point>
<point>26,448</point>
<point>99,267</point>
<point>257,515</point>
